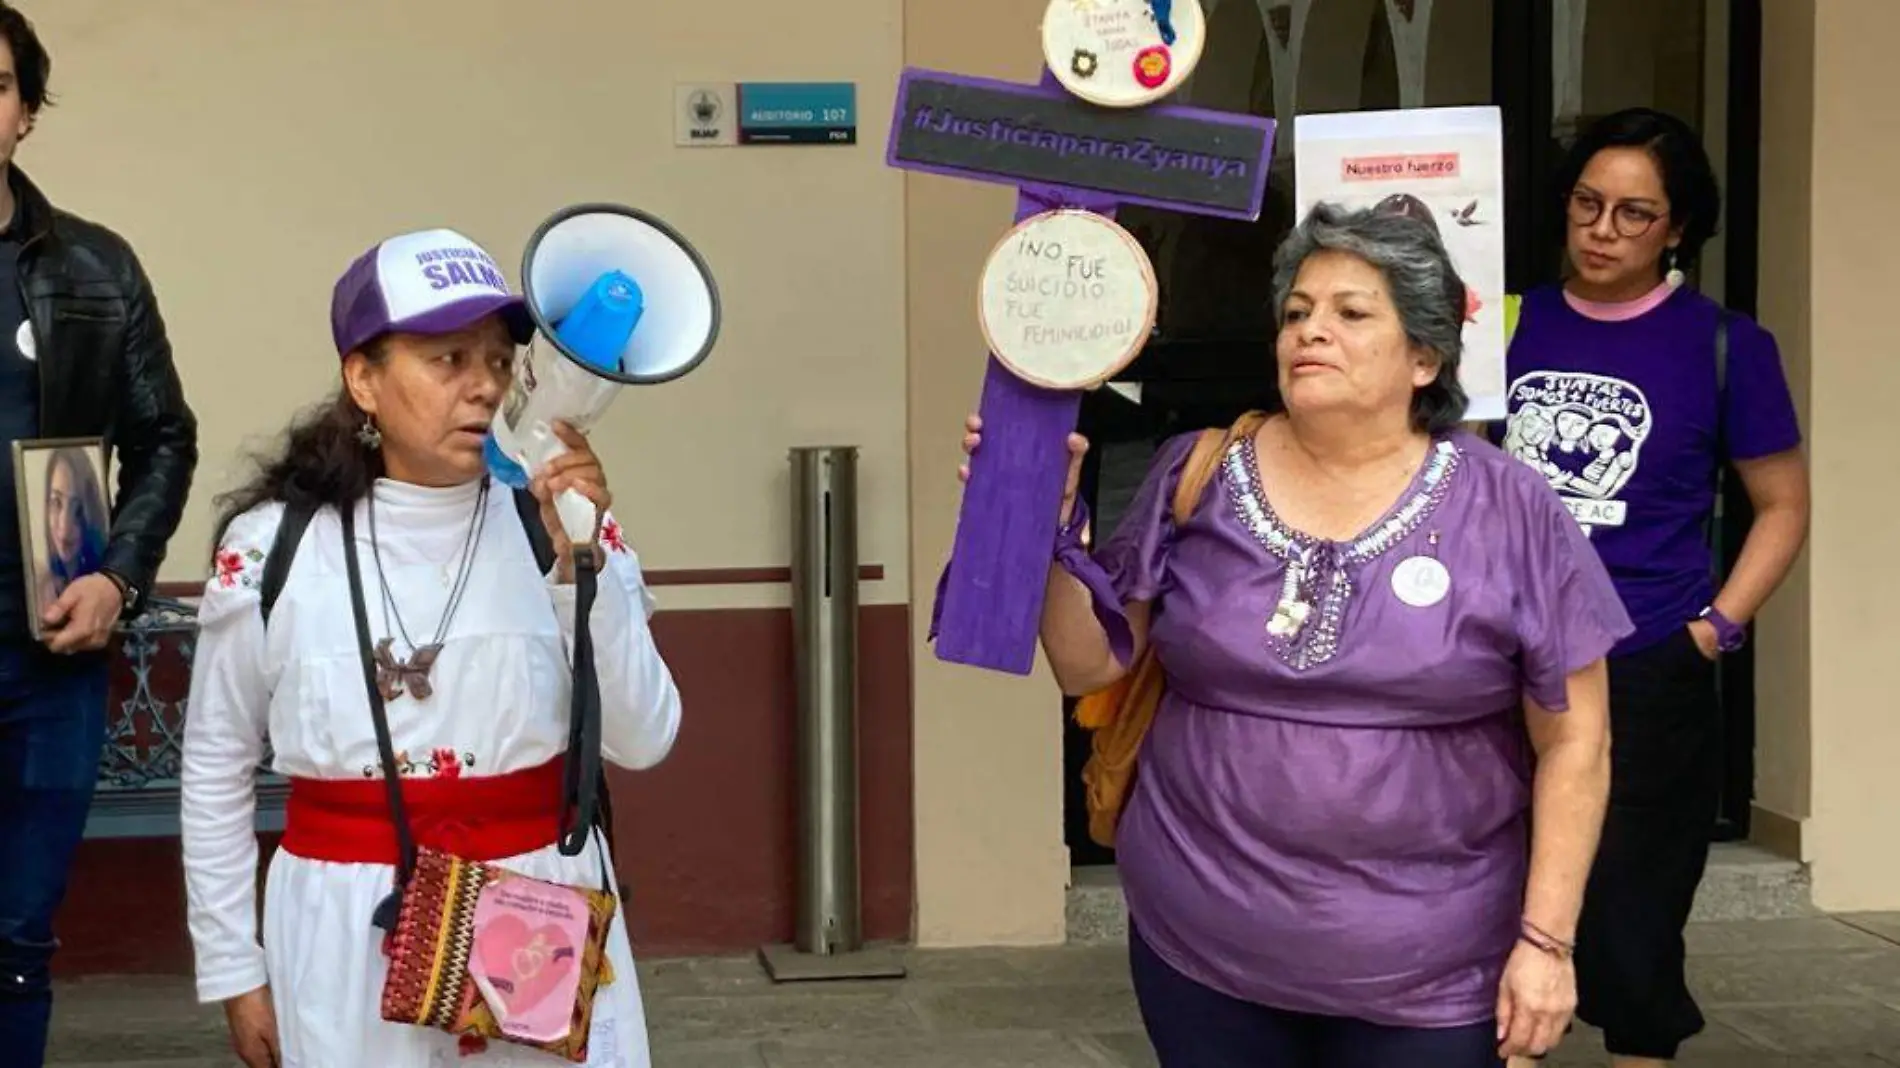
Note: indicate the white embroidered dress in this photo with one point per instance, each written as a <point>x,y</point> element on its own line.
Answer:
<point>501,702</point>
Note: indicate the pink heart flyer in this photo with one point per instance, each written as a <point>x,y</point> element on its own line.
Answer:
<point>526,960</point>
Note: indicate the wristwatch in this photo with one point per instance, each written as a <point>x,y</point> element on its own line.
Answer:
<point>1728,636</point>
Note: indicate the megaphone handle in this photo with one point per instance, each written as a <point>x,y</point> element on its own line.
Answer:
<point>578,516</point>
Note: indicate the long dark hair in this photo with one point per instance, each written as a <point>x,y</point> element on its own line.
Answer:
<point>88,503</point>
<point>319,460</point>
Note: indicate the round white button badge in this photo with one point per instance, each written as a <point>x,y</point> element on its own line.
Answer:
<point>23,340</point>
<point>1421,581</point>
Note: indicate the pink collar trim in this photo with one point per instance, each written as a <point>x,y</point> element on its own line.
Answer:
<point>1618,311</point>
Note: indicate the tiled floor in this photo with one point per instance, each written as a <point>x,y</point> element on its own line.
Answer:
<point>1813,993</point>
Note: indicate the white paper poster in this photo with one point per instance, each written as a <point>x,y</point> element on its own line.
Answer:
<point>1445,165</point>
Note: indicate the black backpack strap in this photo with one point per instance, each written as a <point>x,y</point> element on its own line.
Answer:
<point>297,518</point>
<point>530,511</point>
<point>1721,383</point>
<point>1714,532</point>
<point>283,550</point>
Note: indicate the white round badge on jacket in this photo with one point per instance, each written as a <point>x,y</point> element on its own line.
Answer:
<point>23,340</point>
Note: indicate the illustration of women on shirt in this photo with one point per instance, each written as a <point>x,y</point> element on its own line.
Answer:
<point>1583,431</point>
<point>76,522</point>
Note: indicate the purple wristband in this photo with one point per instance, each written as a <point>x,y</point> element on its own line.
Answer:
<point>1728,636</point>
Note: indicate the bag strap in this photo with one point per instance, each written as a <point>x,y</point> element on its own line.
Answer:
<point>1714,533</point>
<point>1721,383</point>
<point>1095,710</point>
<point>529,510</point>
<point>387,913</point>
<point>1205,459</point>
<point>581,799</point>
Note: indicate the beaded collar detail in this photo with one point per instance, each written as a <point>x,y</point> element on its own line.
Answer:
<point>1318,572</point>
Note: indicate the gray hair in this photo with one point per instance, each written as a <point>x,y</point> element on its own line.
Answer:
<point>1400,239</point>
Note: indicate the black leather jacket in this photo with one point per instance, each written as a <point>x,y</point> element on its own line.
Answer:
<point>106,370</point>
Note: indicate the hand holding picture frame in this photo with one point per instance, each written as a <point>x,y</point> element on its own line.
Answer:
<point>63,499</point>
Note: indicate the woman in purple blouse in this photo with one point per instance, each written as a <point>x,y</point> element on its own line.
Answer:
<point>1616,399</point>
<point>1383,642</point>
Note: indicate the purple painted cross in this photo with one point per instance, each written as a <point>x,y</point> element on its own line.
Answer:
<point>1059,152</point>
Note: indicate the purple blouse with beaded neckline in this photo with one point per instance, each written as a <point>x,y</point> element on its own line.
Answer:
<point>1334,820</point>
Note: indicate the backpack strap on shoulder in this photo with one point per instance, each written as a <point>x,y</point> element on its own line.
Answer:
<point>297,518</point>
<point>1713,531</point>
<point>283,549</point>
<point>529,510</point>
<point>1721,380</point>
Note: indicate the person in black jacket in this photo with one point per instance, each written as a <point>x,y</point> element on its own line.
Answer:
<point>83,353</point>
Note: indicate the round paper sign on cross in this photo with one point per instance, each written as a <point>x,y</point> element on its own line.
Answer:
<point>1118,53</point>
<point>1067,300</point>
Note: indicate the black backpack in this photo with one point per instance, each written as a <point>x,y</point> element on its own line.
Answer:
<point>290,533</point>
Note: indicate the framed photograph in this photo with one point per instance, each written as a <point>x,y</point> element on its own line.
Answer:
<point>65,508</point>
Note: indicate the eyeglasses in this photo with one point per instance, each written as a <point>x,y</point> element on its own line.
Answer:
<point>1628,219</point>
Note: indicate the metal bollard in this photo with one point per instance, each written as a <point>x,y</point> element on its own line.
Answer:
<point>829,938</point>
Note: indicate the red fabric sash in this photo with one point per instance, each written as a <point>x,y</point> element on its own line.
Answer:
<point>486,818</point>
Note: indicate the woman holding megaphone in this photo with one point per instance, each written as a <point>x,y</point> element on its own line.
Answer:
<point>401,631</point>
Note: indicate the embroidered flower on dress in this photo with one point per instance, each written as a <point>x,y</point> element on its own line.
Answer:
<point>235,568</point>
<point>611,536</point>
<point>443,763</point>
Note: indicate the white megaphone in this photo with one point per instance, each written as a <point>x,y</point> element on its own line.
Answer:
<point>623,300</point>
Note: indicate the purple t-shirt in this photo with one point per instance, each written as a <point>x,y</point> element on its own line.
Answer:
<point>1336,821</point>
<point>1620,417</point>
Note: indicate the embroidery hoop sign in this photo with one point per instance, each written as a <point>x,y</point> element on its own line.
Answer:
<point>1068,298</point>
<point>1111,52</point>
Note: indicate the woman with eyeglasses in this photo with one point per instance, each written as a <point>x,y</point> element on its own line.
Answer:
<point>1625,397</point>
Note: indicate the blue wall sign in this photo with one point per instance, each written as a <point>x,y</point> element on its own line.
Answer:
<point>798,113</point>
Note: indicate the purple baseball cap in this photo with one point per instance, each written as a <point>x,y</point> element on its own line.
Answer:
<point>427,282</point>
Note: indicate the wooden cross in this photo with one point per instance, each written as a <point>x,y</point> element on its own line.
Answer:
<point>1059,152</point>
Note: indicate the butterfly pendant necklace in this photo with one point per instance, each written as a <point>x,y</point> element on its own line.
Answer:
<point>410,674</point>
